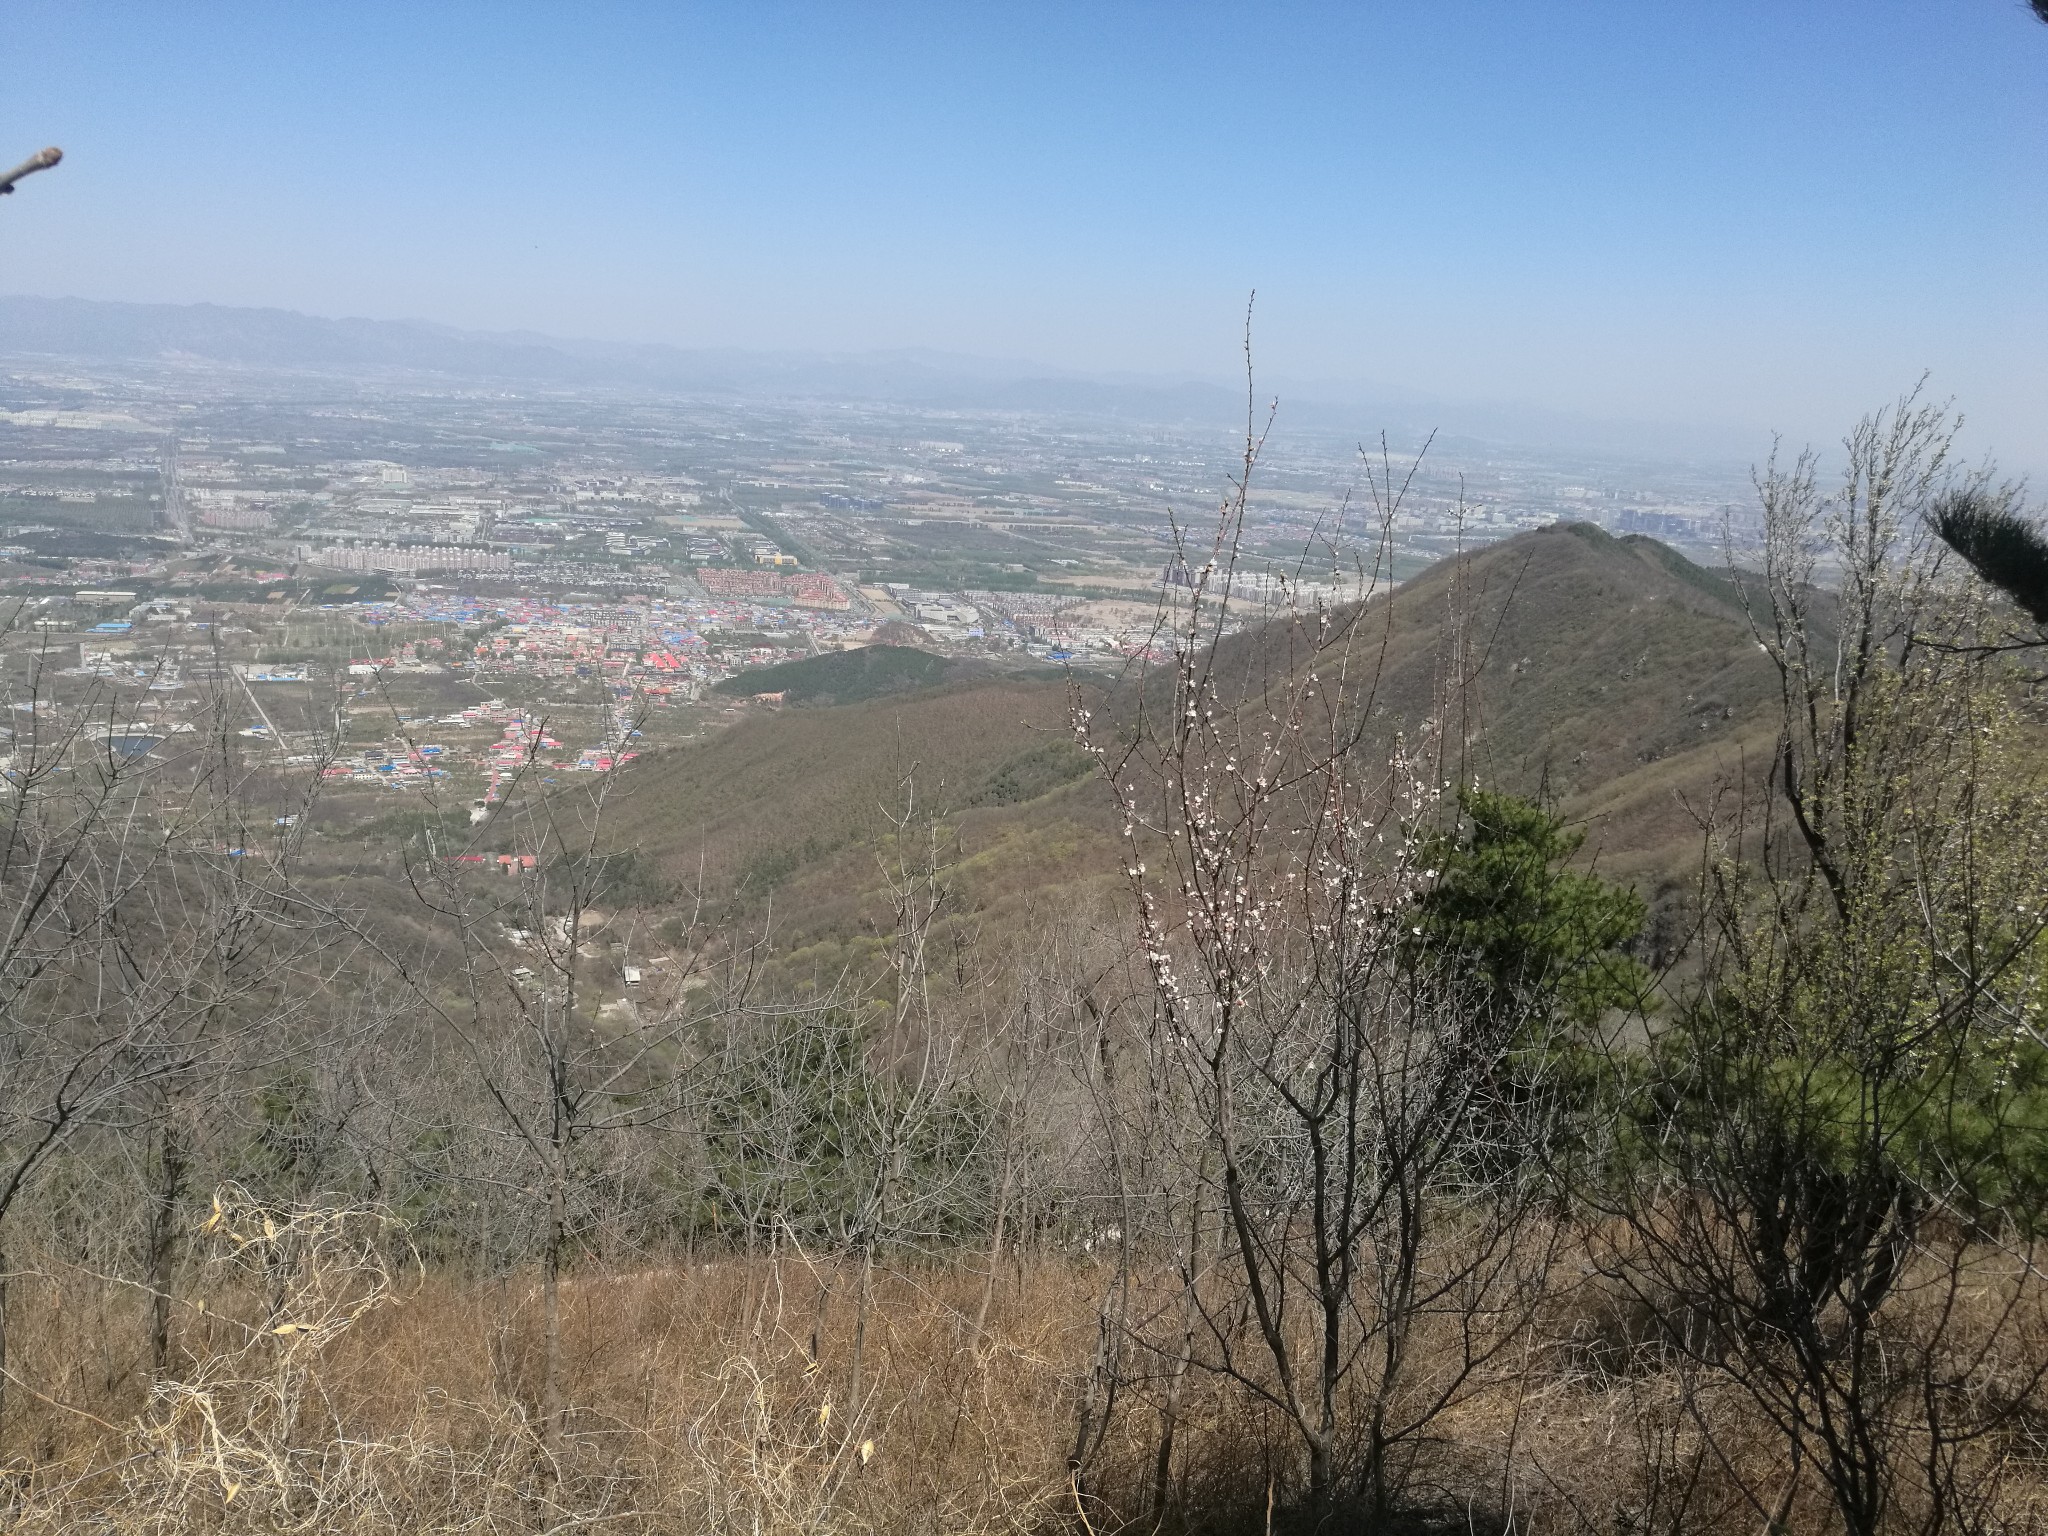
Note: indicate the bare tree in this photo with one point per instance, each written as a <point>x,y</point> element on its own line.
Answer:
<point>150,935</point>
<point>1332,1065</point>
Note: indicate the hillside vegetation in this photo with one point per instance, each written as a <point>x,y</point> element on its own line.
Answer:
<point>1611,677</point>
<point>1246,1098</point>
<point>850,677</point>
<point>798,808</point>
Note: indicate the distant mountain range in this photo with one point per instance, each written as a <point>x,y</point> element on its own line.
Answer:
<point>91,330</point>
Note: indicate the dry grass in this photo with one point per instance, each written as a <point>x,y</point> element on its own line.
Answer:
<point>328,1385</point>
<point>708,1397</point>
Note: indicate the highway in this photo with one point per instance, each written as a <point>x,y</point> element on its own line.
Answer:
<point>173,514</point>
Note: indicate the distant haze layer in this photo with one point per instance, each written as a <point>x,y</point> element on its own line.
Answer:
<point>269,339</point>
<point>1742,215</point>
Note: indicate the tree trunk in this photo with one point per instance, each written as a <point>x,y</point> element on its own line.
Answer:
<point>1321,1479</point>
<point>1774,1524</point>
<point>1169,1422</point>
<point>995,1253</point>
<point>551,1314</point>
<point>862,1306</point>
<point>161,1258</point>
<point>1086,1430</point>
<point>3,1356</point>
<point>1169,1411</point>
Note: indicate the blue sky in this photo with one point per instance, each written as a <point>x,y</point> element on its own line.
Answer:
<point>1757,214</point>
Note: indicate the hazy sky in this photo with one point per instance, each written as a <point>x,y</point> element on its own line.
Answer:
<point>1753,213</point>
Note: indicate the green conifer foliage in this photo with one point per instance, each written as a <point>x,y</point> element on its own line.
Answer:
<point>1532,930</point>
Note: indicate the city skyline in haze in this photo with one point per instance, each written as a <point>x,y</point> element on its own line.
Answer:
<point>1745,216</point>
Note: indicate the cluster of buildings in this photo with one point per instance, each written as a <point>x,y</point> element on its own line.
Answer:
<point>411,559</point>
<point>523,745</point>
<point>938,612</point>
<point>389,767</point>
<point>246,519</point>
<point>503,863</point>
<point>651,647</point>
<point>808,590</point>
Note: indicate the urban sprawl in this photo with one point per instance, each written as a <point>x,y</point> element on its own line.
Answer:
<point>492,584</point>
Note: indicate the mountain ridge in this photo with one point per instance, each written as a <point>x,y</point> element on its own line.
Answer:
<point>288,340</point>
<point>1621,684</point>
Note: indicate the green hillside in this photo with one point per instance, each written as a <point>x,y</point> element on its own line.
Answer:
<point>868,672</point>
<point>845,677</point>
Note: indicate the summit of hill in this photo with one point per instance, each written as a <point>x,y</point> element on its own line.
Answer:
<point>1605,673</point>
<point>1609,675</point>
